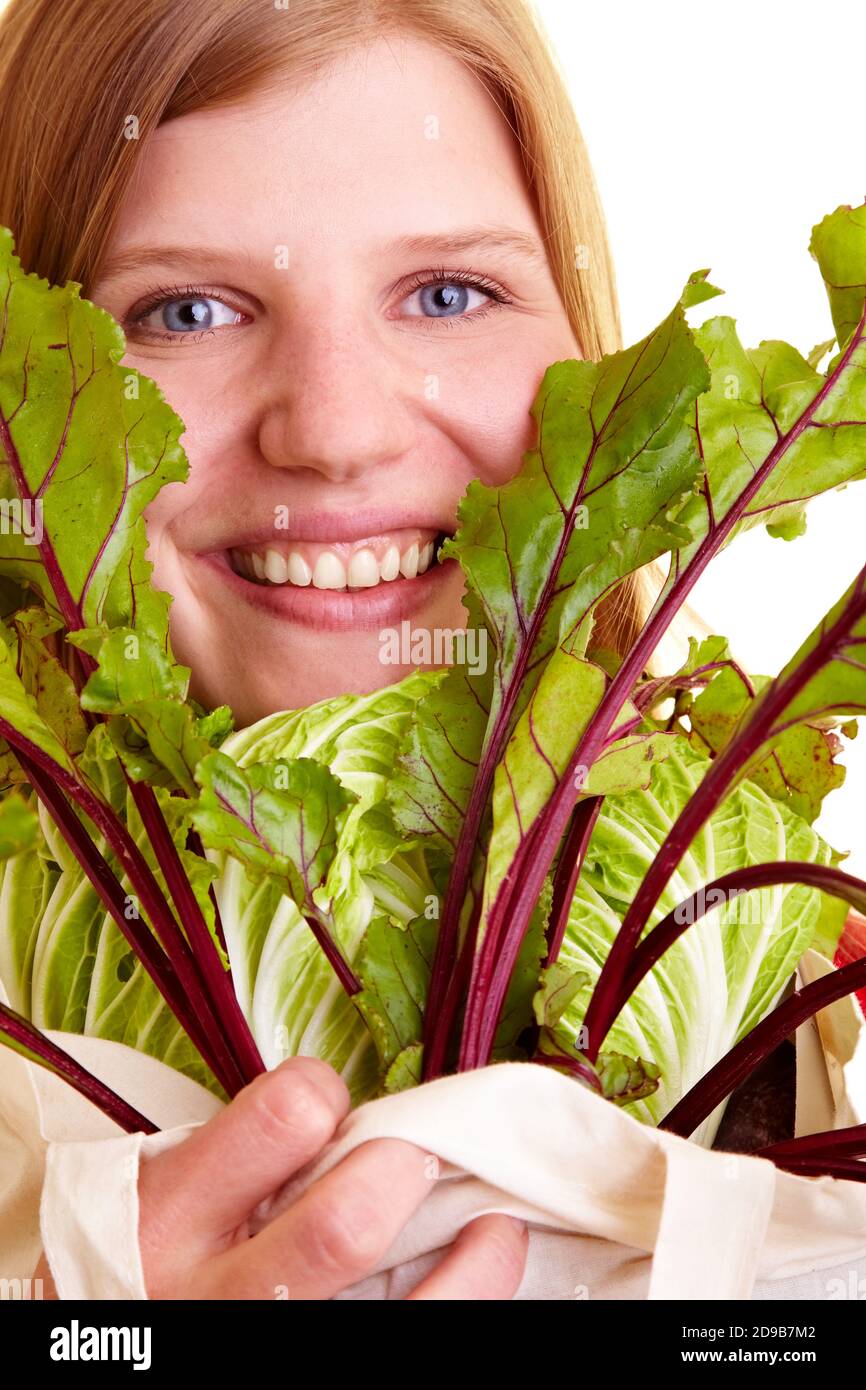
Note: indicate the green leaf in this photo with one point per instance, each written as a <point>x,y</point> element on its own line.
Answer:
<point>819,352</point>
<point>698,289</point>
<point>432,783</point>
<point>280,819</point>
<point>19,826</point>
<point>706,656</point>
<point>535,758</point>
<point>405,1071</point>
<point>558,988</point>
<point>357,736</point>
<point>597,498</point>
<point>394,968</point>
<point>538,752</point>
<point>830,925</point>
<point>839,246</point>
<point>838,686</point>
<point>214,726</point>
<point>800,769</point>
<point>705,653</point>
<point>143,693</point>
<point>626,1079</point>
<point>45,678</point>
<point>627,763</point>
<point>26,882</point>
<point>788,528</point>
<point>19,710</point>
<point>90,441</point>
<point>770,400</point>
<point>132,668</point>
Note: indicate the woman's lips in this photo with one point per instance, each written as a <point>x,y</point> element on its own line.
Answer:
<point>336,610</point>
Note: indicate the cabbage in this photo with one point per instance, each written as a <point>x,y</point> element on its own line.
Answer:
<point>66,965</point>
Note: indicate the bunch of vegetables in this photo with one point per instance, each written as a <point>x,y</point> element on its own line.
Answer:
<point>563,859</point>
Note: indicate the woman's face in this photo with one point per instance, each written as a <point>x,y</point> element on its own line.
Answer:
<point>341,288</point>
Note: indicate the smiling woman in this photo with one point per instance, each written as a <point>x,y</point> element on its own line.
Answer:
<point>355,253</point>
<point>346,240</point>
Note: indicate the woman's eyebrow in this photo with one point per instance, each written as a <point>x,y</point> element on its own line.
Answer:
<point>459,242</point>
<point>192,257</point>
<point>482,239</point>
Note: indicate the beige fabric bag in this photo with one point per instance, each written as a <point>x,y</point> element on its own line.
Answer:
<point>616,1209</point>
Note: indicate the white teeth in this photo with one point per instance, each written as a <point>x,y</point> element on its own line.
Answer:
<point>360,570</point>
<point>363,570</point>
<point>330,572</point>
<point>299,571</point>
<point>409,562</point>
<point>389,566</point>
<point>276,567</point>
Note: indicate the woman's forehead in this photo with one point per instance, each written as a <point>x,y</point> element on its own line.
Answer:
<point>396,135</point>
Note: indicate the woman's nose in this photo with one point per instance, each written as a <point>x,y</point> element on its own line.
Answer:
<point>339,405</point>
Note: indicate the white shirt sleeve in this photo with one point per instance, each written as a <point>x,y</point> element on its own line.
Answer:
<point>69,1175</point>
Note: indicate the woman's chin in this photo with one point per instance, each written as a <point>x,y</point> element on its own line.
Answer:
<point>250,649</point>
<point>264,694</point>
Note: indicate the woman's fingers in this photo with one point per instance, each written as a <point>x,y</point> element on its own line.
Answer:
<point>335,1233</point>
<point>196,1199</point>
<point>199,1193</point>
<point>486,1261</point>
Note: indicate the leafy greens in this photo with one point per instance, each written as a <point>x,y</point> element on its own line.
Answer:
<point>566,857</point>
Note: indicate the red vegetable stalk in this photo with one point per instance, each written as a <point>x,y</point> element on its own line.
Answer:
<point>172,967</point>
<point>450,969</point>
<point>231,1051</point>
<point>25,1038</point>
<point>720,1080</point>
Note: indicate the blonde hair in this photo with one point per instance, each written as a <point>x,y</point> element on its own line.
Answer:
<point>70,80</point>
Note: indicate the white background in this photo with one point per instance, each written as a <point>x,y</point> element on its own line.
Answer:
<point>720,134</point>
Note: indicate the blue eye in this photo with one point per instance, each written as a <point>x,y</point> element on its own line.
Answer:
<point>191,313</point>
<point>445,299</point>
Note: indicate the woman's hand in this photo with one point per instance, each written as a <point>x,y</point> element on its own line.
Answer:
<point>196,1200</point>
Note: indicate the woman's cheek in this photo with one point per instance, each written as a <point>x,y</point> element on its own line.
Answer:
<point>493,426</point>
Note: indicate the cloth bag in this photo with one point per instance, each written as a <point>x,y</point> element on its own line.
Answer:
<point>615,1209</point>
